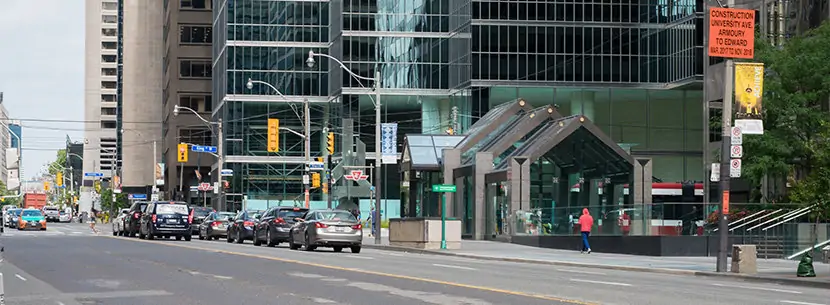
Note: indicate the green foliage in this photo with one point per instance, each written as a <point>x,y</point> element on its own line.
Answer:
<point>5,192</point>
<point>121,201</point>
<point>59,163</point>
<point>796,91</point>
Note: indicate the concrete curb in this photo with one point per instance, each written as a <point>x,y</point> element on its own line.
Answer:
<point>743,277</point>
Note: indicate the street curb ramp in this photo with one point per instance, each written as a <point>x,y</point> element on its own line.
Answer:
<point>741,277</point>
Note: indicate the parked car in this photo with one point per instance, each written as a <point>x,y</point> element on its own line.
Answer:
<point>132,224</point>
<point>327,228</point>
<point>51,213</point>
<point>215,225</point>
<point>31,219</point>
<point>242,226</point>
<point>275,223</point>
<point>199,214</point>
<point>65,217</point>
<point>118,224</point>
<point>166,219</point>
<point>7,215</point>
<point>14,216</point>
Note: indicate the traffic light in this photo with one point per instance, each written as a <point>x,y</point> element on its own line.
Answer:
<point>330,143</point>
<point>59,178</point>
<point>325,188</point>
<point>315,180</point>
<point>183,152</point>
<point>45,185</point>
<point>273,135</point>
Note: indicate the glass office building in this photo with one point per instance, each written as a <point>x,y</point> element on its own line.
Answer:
<point>633,67</point>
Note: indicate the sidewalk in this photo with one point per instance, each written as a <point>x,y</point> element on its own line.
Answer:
<point>769,270</point>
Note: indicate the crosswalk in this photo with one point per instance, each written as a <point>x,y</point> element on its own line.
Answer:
<point>50,232</point>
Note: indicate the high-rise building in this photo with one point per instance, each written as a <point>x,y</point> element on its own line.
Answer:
<point>187,36</point>
<point>6,135</point>
<point>123,86</point>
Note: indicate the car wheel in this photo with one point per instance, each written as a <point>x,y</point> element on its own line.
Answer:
<point>256,239</point>
<point>338,249</point>
<point>291,244</point>
<point>355,249</point>
<point>141,235</point>
<point>307,244</point>
<point>239,239</point>
<point>114,233</point>
<point>201,237</point>
<point>188,237</point>
<point>271,242</point>
<point>179,237</point>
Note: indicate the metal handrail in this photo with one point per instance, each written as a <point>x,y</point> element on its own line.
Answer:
<point>788,219</point>
<point>777,217</point>
<point>756,219</point>
<point>742,219</point>
<point>818,245</point>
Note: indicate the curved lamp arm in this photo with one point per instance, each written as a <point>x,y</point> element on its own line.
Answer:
<point>311,55</point>
<point>252,81</point>
<point>176,111</point>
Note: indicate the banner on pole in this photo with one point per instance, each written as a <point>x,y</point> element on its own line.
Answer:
<point>159,174</point>
<point>749,91</point>
<point>389,143</point>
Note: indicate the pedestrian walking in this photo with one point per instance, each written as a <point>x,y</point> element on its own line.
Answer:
<point>92,215</point>
<point>586,222</point>
<point>370,220</point>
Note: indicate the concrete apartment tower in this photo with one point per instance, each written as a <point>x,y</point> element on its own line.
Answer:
<point>123,114</point>
<point>143,53</point>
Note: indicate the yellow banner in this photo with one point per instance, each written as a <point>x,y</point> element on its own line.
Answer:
<point>749,90</point>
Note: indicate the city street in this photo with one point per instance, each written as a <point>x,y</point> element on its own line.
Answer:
<point>61,266</point>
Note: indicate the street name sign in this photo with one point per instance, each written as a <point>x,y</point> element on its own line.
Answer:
<point>203,149</point>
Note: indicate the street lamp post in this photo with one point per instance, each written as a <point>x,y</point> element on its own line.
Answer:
<point>220,152</point>
<point>19,159</point>
<point>72,173</point>
<point>310,61</point>
<point>306,134</point>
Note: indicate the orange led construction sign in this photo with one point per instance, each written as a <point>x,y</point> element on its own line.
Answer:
<point>731,33</point>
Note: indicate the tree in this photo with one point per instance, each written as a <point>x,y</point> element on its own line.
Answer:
<point>6,192</point>
<point>59,164</point>
<point>121,201</point>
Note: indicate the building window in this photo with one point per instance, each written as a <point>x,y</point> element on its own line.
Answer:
<point>195,34</point>
<point>108,85</point>
<point>107,111</point>
<point>200,103</point>
<point>198,136</point>
<point>109,19</point>
<point>108,124</point>
<point>195,68</point>
<point>107,98</point>
<point>109,45</point>
<point>196,4</point>
<point>110,6</point>
<point>108,72</point>
<point>108,58</point>
<point>109,32</point>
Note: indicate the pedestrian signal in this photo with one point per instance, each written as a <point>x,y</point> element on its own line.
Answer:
<point>330,143</point>
<point>273,135</point>
<point>182,152</point>
<point>315,180</point>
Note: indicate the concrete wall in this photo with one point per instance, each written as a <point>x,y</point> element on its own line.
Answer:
<point>143,53</point>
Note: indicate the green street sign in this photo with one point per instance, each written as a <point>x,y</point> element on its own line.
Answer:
<point>443,188</point>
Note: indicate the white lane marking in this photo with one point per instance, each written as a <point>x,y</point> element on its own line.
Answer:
<point>76,232</point>
<point>222,277</point>
<point>581,271</point>
<point>20,277</point>
<point>390,253</point>
<point>454,267</point>
<point>59,302</point>
<point>759,288</point>
<point>600,282</point>
<point>799,303</point>
<point>360,257</point>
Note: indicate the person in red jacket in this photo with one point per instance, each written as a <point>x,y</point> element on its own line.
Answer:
<point>585,224</point>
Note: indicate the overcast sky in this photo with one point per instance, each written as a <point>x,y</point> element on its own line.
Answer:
<point>42,74</point>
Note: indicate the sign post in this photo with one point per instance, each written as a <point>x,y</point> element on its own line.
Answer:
<point>443,188</point>
<point>731,35</point>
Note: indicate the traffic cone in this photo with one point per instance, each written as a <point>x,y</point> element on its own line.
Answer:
<point>805,266</point>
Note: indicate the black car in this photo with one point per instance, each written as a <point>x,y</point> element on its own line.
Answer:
<point>132,223</point>
<point>275,224</point>
<point>166,219</point>
<point>199,214</point>
<point>242,226</point>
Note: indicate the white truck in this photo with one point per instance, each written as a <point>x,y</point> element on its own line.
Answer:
<point>52,213</point>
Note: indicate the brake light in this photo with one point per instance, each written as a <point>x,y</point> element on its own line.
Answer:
<point>216,224</point>
<point>279,220</point>
<point>357,226</point>
<point>154,218</point>
<point>136,215</point>
<point>321,225</point>
<point>249,224</point>
<point>190,218</point>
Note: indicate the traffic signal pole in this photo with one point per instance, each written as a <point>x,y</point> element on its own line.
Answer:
<point>307,150</point>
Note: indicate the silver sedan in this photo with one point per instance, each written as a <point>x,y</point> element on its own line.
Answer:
<point>334,229</point>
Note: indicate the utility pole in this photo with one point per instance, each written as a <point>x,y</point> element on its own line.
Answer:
<point>307,148</point>
<point>220,156</point>
<point>726,132</point>
<point>155,163</point>
<point>377,158</point>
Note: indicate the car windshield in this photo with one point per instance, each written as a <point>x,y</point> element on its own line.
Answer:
<point>201,211</point>
<point>253,215</point>
<point>337,216</point>
<point>171,209</point>
<point>290,214</point>
<point>16,212</point>
<point>50,208</point>
<point>225,215</point>
<point>32,213</point>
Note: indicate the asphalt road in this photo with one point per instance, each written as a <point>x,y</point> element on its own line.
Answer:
<point>64,267</point>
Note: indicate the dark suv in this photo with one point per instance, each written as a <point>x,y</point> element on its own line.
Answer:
<point>275,223</point>
<point>166,219</point>
<point>199,214</point>
<point>132,223</point>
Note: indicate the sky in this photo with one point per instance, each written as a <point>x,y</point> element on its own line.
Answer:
<point>42,74</point>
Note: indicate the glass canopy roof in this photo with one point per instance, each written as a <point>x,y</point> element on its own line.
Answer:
<point>426,151</point>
